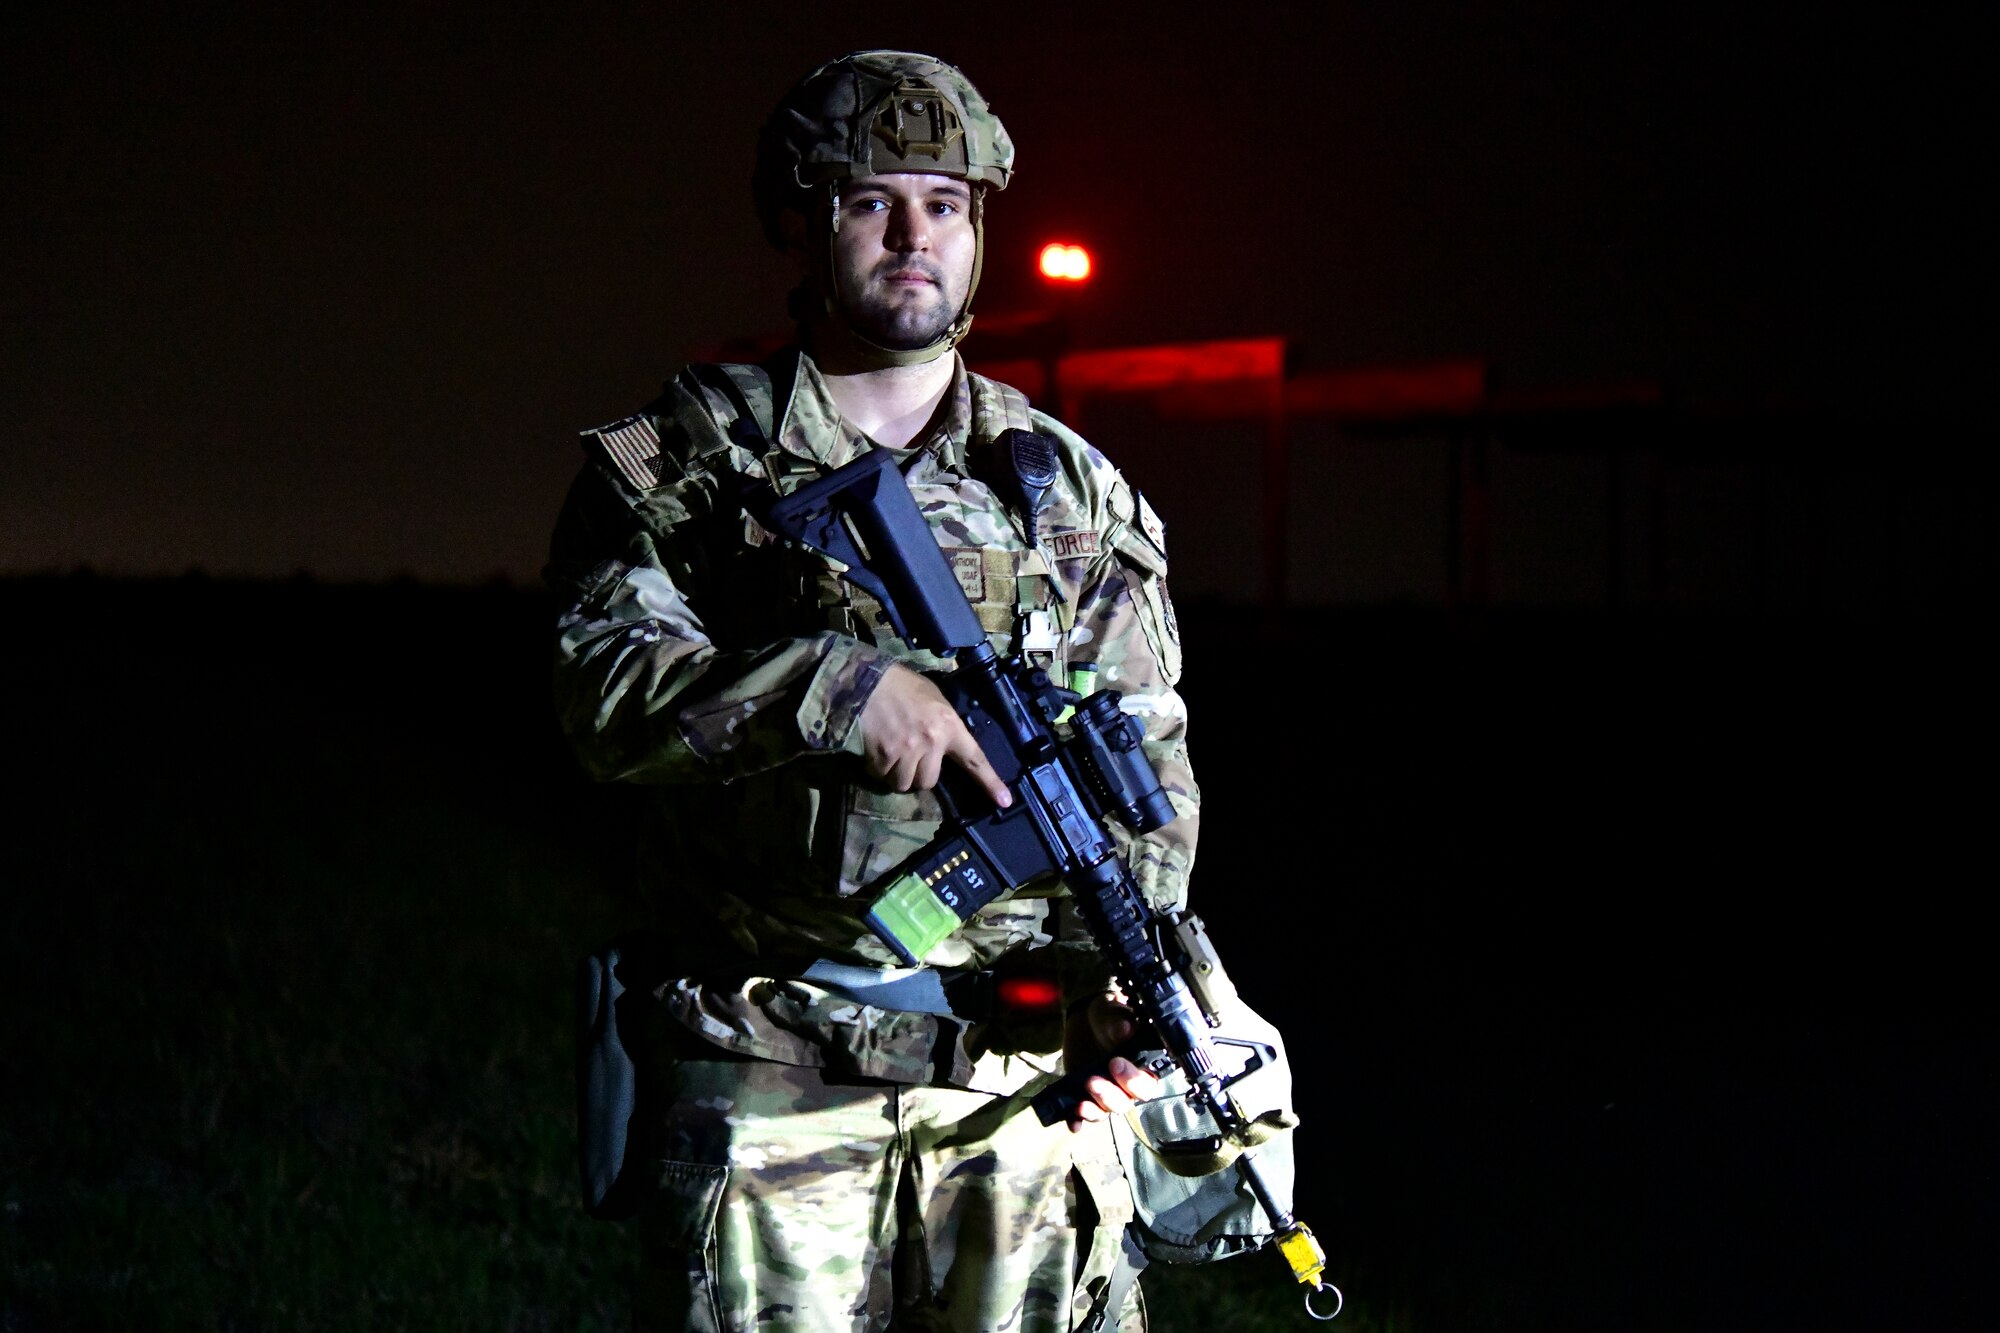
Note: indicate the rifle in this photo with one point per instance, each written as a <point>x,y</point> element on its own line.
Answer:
<point>1070,761</point>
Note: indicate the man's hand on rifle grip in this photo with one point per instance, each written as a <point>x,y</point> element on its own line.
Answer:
<point>908,730</point>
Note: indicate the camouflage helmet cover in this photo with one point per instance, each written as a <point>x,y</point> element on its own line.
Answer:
<point>870,113</point>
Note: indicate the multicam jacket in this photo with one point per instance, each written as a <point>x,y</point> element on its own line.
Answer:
<point>727,668</point>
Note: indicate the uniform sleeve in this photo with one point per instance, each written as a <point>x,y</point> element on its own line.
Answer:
<point>1125,625</point>
<point>645,694</point>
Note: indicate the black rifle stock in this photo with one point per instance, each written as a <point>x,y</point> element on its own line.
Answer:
<point>1071,762</point>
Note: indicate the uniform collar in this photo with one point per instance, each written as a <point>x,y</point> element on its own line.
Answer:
<point>811,426</point>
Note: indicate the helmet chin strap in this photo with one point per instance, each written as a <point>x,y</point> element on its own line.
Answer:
<point>827,328</point>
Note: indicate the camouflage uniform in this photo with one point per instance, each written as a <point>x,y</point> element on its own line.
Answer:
<point>822,1159</point>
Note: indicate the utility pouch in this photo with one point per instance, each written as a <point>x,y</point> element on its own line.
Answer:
<point>614,985</point>
<point>1191,1206</point>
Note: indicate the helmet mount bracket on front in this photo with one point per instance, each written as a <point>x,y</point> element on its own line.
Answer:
<point>913,103</point>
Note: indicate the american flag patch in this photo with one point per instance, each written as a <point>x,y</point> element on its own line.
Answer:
<point>1151,524</point>
<point>634,445</point>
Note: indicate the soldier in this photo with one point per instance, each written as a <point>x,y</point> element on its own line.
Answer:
<point>827,1140</point>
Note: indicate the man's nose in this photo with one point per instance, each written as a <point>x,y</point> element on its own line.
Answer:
<point>909,229</point>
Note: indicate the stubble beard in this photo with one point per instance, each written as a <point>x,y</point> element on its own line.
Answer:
<point>903,319</point>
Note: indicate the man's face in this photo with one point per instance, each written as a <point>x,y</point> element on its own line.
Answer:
<point>903,256</point>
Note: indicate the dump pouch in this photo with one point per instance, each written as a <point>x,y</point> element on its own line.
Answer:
<point>1195,1208</point>
<point>614,983</point>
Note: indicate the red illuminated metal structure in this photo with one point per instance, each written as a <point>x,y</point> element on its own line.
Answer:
<point>1247,379</point>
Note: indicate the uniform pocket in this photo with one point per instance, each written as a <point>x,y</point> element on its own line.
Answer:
<point>678,1285</point>
<point>884,828</point>
<point>684,1206</point>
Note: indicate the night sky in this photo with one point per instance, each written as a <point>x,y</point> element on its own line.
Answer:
<point>331,288</point>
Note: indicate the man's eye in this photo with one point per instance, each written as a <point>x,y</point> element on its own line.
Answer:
<point>945,207</point>
<point>867,205</point>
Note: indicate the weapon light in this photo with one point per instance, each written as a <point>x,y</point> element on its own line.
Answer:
<point>1065,263</point>
<point>1031,993</point>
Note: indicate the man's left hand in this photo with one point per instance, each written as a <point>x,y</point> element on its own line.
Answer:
<point>1095,1029</point>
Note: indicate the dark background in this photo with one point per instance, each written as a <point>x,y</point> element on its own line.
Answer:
<point>1622,918</point>
<point>332,287</point>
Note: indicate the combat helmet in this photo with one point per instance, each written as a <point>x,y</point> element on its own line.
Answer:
<point>871,113</point>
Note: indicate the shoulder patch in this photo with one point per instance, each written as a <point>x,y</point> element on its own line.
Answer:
<point>634,445</point>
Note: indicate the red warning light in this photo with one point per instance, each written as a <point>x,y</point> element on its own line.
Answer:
<point>1065,263</point>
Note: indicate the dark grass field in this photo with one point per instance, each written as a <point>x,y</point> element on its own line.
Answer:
<point>1636,970</point>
